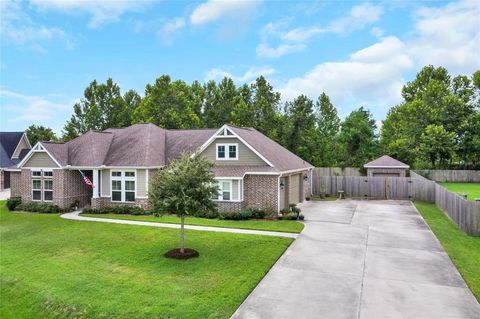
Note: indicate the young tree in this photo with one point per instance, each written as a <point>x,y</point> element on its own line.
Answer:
<point>185,187</point>
<point>40,133</point>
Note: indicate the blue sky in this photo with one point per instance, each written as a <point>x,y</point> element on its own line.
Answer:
<point>359,53</point>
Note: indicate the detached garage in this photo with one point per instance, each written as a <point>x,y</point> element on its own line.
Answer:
<point>386,166</point>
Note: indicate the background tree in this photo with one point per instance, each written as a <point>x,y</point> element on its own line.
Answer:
<point>325,136</point>
<point>437,144</point>
<point>40,133</point>
<point>184,187</point>
<point>434,98</point>
<point>169,104</point>
<point>358,139</point>
<point>301,127</point>
<point>219,102</point>
<point>102,107</point>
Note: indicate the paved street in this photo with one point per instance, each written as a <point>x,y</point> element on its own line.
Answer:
<point>362,259</point>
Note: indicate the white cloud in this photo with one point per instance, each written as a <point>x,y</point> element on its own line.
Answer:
<point>250,75</point>
<point>377,32</point>
<point>102,12</point>
<point>213,10</point>
<point>265,51</point>
<point>33,109</point>
<point>170,27</point>
<point>358,18</point>
<point>301,34</point>
<point>18,28</point>
<point>448,36</point>
<point>294,40</point>
<point>372,76</point>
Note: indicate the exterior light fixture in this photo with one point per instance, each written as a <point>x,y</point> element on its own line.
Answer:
<point>282,185</point>
<point>305,177</point>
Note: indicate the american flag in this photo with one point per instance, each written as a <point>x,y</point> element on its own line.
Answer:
<point>86,179</point>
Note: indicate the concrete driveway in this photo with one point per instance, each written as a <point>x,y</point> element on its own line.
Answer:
<point>362,259</point>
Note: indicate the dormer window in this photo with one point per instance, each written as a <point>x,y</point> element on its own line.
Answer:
<point>227,152</point>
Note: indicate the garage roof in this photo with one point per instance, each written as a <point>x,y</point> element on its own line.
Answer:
<point>386,162</point>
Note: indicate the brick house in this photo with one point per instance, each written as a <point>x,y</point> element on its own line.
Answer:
<point>252,170</point>
<point>13,148</point>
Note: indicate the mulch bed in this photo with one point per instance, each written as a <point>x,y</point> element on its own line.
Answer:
<point>176,254</point>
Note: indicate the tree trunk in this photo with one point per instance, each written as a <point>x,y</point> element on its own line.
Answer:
<point>182,234</point>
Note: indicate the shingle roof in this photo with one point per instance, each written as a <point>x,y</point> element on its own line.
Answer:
<point>240,170</point>
<point>147,145</point>
<point>9,142</point>
<point>281,158</point>
<point>387,162</point>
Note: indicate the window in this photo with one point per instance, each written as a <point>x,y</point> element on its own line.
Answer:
<point>42,185</point>
<point>224,190</point>
<point>232,151</point>
<point>37,189</point>
<point>221,151</point>
<point>123,186</point>
<point>227,151</point>
<point>48,189</point>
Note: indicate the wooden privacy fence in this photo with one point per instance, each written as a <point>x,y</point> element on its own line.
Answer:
<point>336,171</point>
<point>464,213</point>
<point>466,176</point>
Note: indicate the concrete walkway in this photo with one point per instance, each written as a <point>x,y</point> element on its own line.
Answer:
<point>76,216</point>
<point>362,259</point>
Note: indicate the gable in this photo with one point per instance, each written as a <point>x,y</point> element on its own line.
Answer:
<point>245,155</point>
<point>23,144</point>
<point>40,159</point>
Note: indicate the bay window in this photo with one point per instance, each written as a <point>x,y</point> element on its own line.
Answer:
<point>123,186</point>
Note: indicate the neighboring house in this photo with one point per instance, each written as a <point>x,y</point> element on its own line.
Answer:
<point>386,166</point>
<point>252,170</point>
<point>13,147</point>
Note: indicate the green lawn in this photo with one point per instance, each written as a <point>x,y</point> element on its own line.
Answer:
<point>472,189</point>
<point>463,250</point>
<point>289,226</point>
<point>56,268</point>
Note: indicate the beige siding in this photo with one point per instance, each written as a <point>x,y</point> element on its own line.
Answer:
<point>141,182</point>
<point>283,203</point>
<point>105,180</point>
<point>40,159</point>
<point>295,189</point>
<point>245,155</point>
<point>235,194</point>
<point>21,145</point>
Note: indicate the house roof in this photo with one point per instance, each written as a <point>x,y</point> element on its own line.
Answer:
<point>8,143</point>
<point>147,145</point>
<point>386,162</point>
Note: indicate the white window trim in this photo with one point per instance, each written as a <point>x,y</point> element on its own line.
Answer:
<point>42,179</point>
<point>122,180</point>
<point>239,190</point>
<point>227,153</point>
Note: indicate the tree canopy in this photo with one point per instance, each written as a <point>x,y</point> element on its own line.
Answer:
<point>36,133</point>
<point>448,106</point>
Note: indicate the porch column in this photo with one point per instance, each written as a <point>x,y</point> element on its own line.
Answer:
<point>96,185</point>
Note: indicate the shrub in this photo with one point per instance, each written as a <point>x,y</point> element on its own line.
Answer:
<point>119,209</point>
<point>243,215</point>
<point>42,208</point>
<point>301,217</point>
<point>258,213</point>
<point>291,216</point>
<point>13,202</point>
<point>211,215</point>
